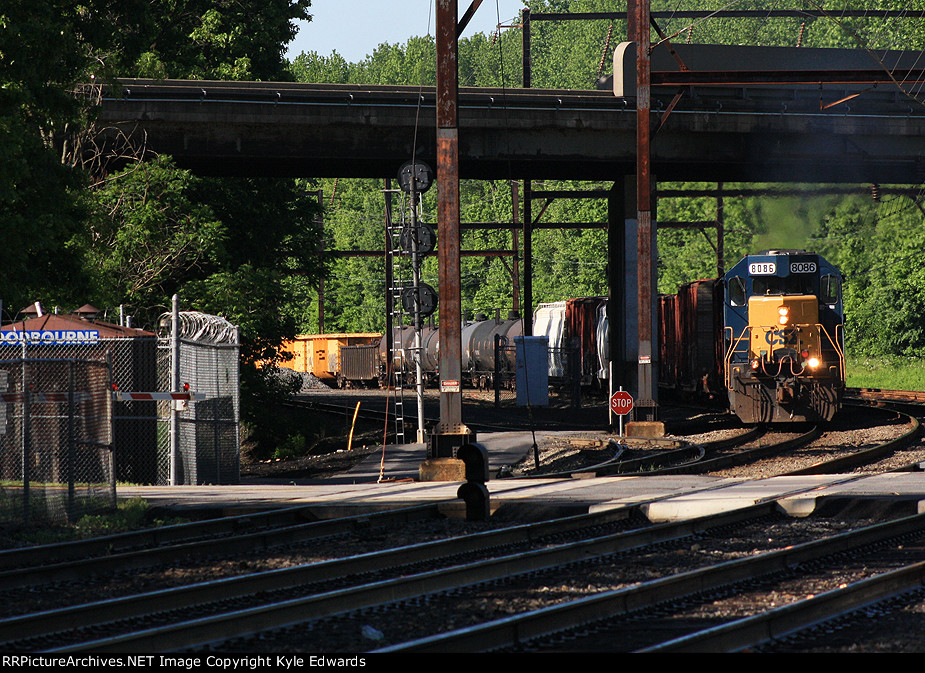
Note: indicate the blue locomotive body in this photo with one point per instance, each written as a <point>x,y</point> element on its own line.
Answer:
<point>783,337</point>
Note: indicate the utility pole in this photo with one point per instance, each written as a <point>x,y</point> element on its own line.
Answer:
<point>450,433</point>
<point>645,226</point>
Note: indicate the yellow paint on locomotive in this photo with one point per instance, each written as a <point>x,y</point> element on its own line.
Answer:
<point>784,322</point>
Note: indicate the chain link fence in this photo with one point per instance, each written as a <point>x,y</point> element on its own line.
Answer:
<point>165,441</point>
<point>80,411</point>
<point>199,441</point>
<point>56,433</point>
<point>505,378</point>
<point>138,429</point>
<point>564,375</point>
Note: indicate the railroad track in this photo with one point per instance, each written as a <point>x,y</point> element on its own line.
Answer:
<point>778,450</point>
<point>206,613</point>
<point>486,418</point>
<point>50,565</point>
<point>818,450</point>
<point>674,609</point>
<point>251,608</point>
<point>232,608</point>
<point>881,395</point>
<point>40,628</point>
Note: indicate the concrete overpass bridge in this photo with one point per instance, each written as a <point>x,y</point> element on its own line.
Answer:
<point>734,133</point>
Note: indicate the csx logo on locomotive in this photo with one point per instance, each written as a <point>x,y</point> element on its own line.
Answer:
<point>787,337</point>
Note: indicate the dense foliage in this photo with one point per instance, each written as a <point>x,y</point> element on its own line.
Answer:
<point>80,230</point>
<point>135,232</point>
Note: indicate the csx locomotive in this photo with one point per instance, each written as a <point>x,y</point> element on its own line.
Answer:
<point>770,334</point>
<point>784,337</point>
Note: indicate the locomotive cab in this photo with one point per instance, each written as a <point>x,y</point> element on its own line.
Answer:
<point>784,356</point>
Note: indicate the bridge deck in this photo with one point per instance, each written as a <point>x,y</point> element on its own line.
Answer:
<point>732,133</point>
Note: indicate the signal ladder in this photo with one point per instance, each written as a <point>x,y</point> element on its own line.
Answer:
<point>397,315</point>
<point>414,239</point>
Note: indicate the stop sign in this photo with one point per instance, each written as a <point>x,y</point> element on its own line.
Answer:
<point>621,402</point>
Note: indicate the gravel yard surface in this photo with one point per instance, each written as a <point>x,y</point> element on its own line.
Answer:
<point>896,628</point>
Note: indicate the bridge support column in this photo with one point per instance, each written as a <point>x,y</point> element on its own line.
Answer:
<point>623,314</point>
<point>646,403</point>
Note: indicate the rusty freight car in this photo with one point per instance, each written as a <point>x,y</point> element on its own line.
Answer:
<point>336,359</point>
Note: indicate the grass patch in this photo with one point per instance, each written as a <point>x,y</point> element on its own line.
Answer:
<point>888,373</point>
<point>293,446</point>
<point>129,515</point>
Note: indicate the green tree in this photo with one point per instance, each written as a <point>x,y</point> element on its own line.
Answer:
<point>41,200</point>
<point>150,235</point>
<point>78,230</point>
<point>228,247</point>
<point>216,39</point>
<point>312,67</point>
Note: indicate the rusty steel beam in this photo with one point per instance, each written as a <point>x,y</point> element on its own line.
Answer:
<point>464,21</point>
<point>515,272</point>
<point>571,194</point>
<point>319,195</point>
<point>778,192</point>
<point>733,14</point>
<point>709,224</point>
<point>528,256</point>
<point>389,279</point>
<point>448,229</point>
<point>788,77</point>
<point>536,225</point>
<point>729,192</point>
<point>720,232</point>
<point>647,393</point>
<point>527,283</point>
<point>526,58</point>
<point>462,253</point>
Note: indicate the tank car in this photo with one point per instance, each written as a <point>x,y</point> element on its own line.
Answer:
<point>402,348</point>
<point>479,341</point>
<point>478,338</point>
<point>783,337</point>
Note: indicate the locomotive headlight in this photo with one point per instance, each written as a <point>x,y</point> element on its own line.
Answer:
<point>784,314</point>
<point>813,363</point>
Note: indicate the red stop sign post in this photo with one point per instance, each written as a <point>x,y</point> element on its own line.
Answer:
<point>621,403</point>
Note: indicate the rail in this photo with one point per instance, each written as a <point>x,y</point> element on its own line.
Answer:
<point>558,619</point>
<point>245,622</point>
